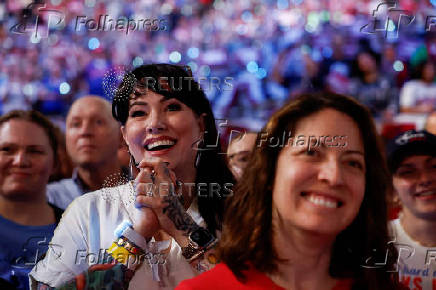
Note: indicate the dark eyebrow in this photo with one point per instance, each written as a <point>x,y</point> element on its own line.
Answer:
<point>354,152</point>
<point>31,146</point>
<point>140,103</point>
<point>408,165</point>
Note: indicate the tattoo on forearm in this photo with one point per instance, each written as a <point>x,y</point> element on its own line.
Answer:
<point>175,211</point>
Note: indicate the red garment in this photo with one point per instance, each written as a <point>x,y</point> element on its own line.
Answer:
<point>221,277</point>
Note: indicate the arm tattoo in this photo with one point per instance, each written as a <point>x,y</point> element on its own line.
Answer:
<point>175,211</point>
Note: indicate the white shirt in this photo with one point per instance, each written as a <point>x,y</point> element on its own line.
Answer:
<point>86,230</point>
<point>416,263</point>
<point>417,92</point>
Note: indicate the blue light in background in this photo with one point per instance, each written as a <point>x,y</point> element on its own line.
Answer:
<point>252,67</point>
<point>282,4</point>
<point>175,57</point>
<point>398,65</point>
<point>137,61</point>
<point>64,88</point>
<point>327,52</point>
<point>261,73</point>
<point>93,43</point>
<point>247,16</point>
<point>205,70</point>
<point>193,52</point>
<point>193,66</point>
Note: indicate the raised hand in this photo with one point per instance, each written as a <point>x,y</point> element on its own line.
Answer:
<point>156,190</point>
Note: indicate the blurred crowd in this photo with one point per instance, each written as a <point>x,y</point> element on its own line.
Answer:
<point>271,50</point>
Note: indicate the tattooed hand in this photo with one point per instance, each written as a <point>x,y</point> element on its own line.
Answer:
<point>156,190</point>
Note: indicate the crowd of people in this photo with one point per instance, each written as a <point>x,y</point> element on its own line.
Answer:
<point>150,203</point>
<point>270,50</point>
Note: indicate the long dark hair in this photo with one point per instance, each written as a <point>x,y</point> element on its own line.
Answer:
<point>248,232</point>
<point>177,82</point>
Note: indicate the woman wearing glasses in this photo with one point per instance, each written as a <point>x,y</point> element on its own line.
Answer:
<point>160,226</point>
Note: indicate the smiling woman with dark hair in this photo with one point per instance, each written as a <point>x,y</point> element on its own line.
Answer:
<point>309,214</point>
<point>162,225</point>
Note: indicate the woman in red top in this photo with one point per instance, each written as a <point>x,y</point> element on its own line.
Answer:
<point>310,210</point>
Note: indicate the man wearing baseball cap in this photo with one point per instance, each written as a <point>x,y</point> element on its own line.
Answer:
<point>412,161</point>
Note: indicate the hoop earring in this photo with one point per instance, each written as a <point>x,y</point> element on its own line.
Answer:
<point>199,151</point>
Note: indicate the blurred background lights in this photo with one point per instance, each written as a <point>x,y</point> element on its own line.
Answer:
<point>193,52</point>
<point>398,65</point>
<point>325,16</point>
<point>205,70</point>
<point>247,16</point>
<point>297,2</point>
<point>64,88</point>
<point>218,4</point>
<point>137,61</point>
<point>327,52</point>
<point>93,43</point>
<point>175,57</point>
<point>282,4</point>
<point>261,73</point>
<point>305,49</point>
<point>193,66</point>
<point>29,89</point>
<point>53,39</point>
<point>187,10</point>
<point>309,28</point>
<point>252,67</point>
<point>166,9</point>
<point>90,3</point>
<point>241,29</point>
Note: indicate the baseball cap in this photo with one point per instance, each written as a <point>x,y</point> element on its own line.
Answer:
<point>410,143</point>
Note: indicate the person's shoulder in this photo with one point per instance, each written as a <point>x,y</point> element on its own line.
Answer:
<point>107,195</point>
<point>63,189</point>
<point>221,277</point>
<point>62,182</point>
<point>393,227</point>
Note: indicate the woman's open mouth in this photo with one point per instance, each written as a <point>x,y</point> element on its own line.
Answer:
<point>426,195</point>
<point>159,145</point>
<point>322,200</point>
